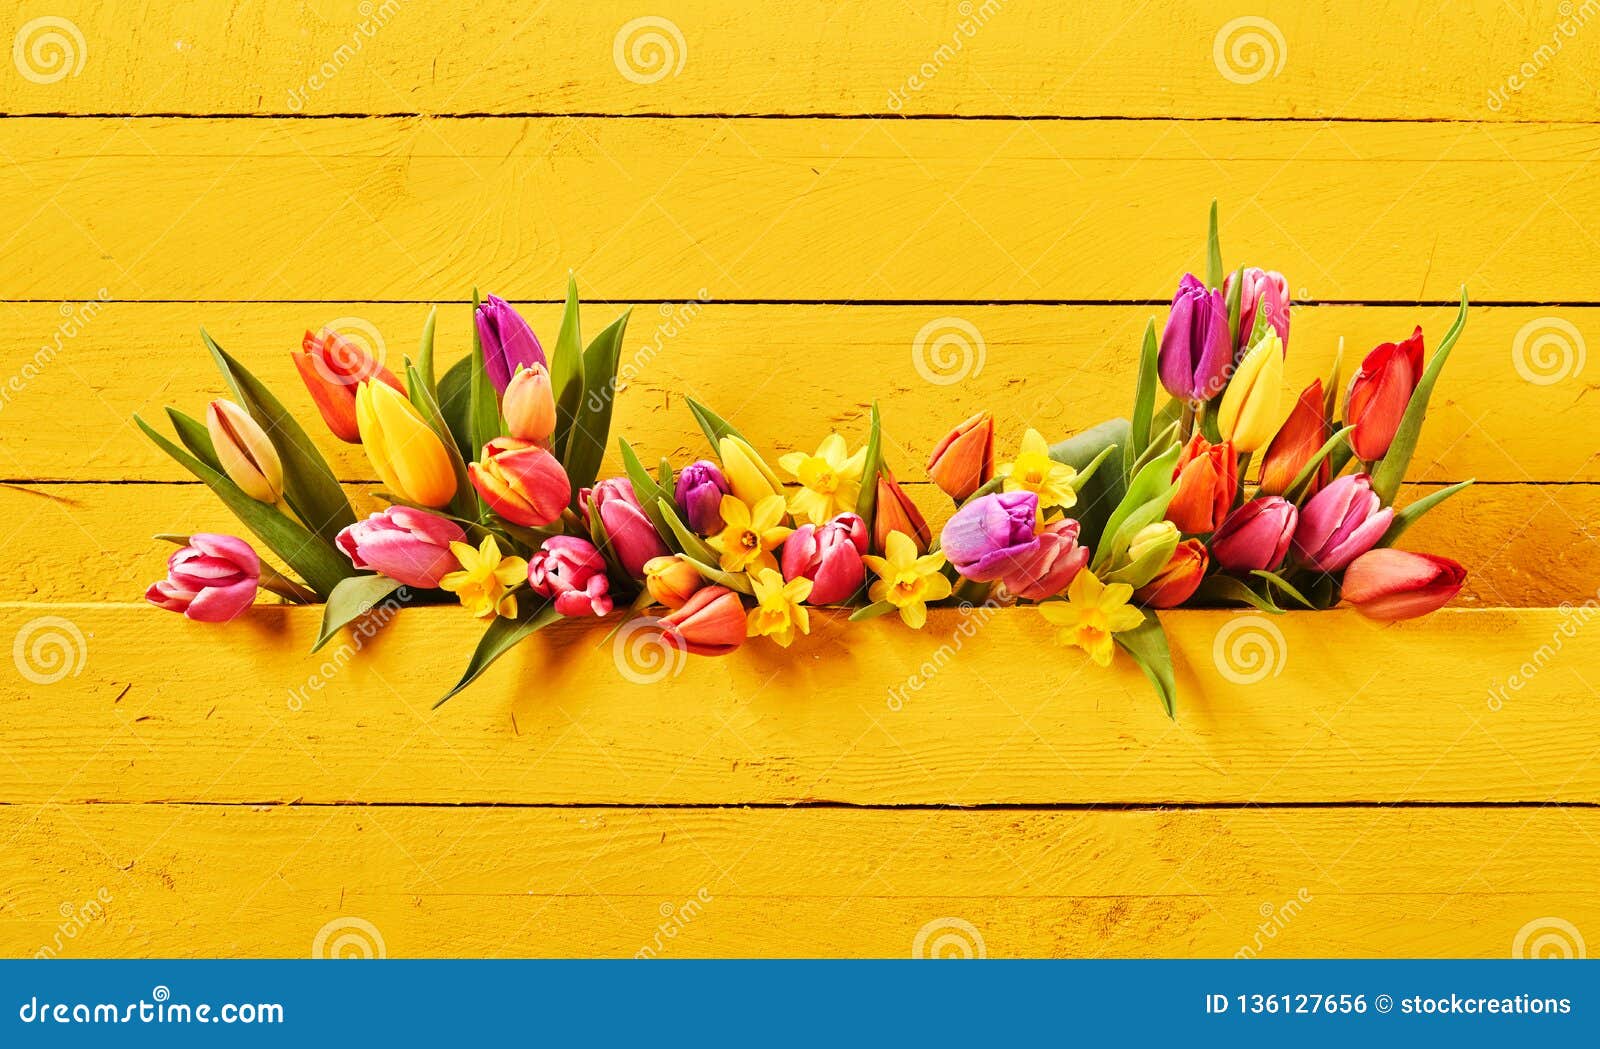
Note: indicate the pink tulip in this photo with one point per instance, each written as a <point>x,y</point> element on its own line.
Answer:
<point>1255,536</point>
<point>1340,523</point>
<point>1048,570</point>
<point>829,556</point>
<point>1262,290</point>
<point>571,572</point>
<point>211,580</point>
<point>521,482</point>
<point>1397,584</point>
<point>409,546</point>
<point>631,534</point>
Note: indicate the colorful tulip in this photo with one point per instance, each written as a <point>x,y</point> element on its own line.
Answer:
<point>1208,477</point>
<point>245,451</point>
<point>1299,438</point>
<point>409,457</point>
<point>1178,579</point>
<point>572,574</point>
<point>671,580</point>
<point>895,512</point>
<point>1256,536</point>
<point>508,342</point>
<point>1196,345</point>
<point>521,482</point>
<point>210,580</point>
<point>699,493</point>
<point>1340,523</point>
<point>409,546</point>
<point>751,479</point>
<point>528,405</point>
<point>1397,584</point>
<point>1379,393</point>
<point>963,460</point>
<point>332,366</point>
<point>1052,567</point>
<point>1251,409</point>
<point>1263,290</point>
<point>711,623</point>
<point>993,536</point>
<point>830,556</point>
<point>624,523</point>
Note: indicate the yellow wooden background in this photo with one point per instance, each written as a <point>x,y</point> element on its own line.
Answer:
<point>800,198</point>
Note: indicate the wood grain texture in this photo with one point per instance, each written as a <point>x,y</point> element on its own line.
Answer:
<point>988,57</point>
<point>202,881</point>
<point>782,210</point>
<point>979,708</point>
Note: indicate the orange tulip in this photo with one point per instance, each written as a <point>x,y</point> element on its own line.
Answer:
<point>332,366</point>
<point>528,405</point>
<point>1207,476</point>
<point>964,459</point>
<point>897,513</point>
<point>521,482</point>
<point>1178,579</point>
<point>711,623</point>
<point>671,580</point>
<point>1301,436</point>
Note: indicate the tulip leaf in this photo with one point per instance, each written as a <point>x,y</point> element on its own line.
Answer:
<point>591,426</point>
<point>1391,471</point>
<point>1229,590</point>
<point>309,486</point>
<point>1086,475</point>
<point>483,410</point>
<point>603,543</point>
<point>503,635</point>
<point>645,489</point>
<point>1153,483</point>
<point>425,351</point>
<point>464,502</point>
<point>455,404</point>
<point>1144,399</point>
<point>320,565</point>
<point>688,544</point>
<point>1163,440</point>
<point>1330,393</point>
<point>872,611</point>
<point>566,371</point>
<point>1147,645</point>
<point>714,426</point>
<point>195,437</point>
<point>1235,305</point>
<point>1104,490</point>
<point>353,598</point>
<point>1141,570</point>
<point>732,580</point>
<point>1302,480</point>
<point>1404,519</point>
<point>1284,585</point>
<point>664,476</point>
<point>867,501</point>
<point>1214,270</point>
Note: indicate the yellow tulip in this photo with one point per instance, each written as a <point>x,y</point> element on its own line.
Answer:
<point>1252,405</point>
<point>748,474</point>
<point>409,457</point>
<point>245,451</point>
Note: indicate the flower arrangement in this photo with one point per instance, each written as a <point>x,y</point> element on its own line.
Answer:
<point>1227,494</point>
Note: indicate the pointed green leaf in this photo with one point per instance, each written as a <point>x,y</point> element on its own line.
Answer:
<point>501,637</point>
<point>732,580</point>
<point>872,611</point>
<point>1153,482</point>
<point>1101,493</point>
<point>195,437</point>
<point>1146,644</point>
<point>352,598</point>
<point>867,501</point>
<point>425,351</point>
<point>689,544</point>
<point>1235,304</point>
<point>711,424</point>
<point>1404,519</point>
<point>592,426</point>
<point>1225,589</point>
<point>645,489</point>
<point>566,371</point>
<point>455,404</point>
<point>1214,270</point>
<point>1388,475</point>
<point>1284,585</point>
<point>1144,398</point>
<point>465,502</point>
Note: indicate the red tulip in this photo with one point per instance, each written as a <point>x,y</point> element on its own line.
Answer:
<point>1397,584</point>
<point>711,623</point>
<point>1255,536</point>
<point>1379,393</point>
<point>1301,436</point>
<point>1207,476</point>
<point>829,556</point>
<point>332,367</point>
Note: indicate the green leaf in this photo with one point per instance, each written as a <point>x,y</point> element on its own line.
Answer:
<point>195,437</point>
<point>867,501</point>
<point>1144,399</point>
<point>352,598</point>
<point>732,580</point>
<point>689,544</point>
<point>502,636</point>
<point>712,425</point>
<point>1235,304</point>
<point>1404,519</point>
<point>1330,392</point>
<point>1146,644</point>
<point>645,488</point>
<point>1388,475</point>
<point>591,427</point>
<point>465,502</point>
<point>1151,484</point>
<point>1085,476</point>
<point>1162,441</point>
<point>1214,270</point>
<point>1302,480</point>
<point>319,564</point>
<point>872,611</point>
<point>1228,590</point>
<point>1284,585</point>
<point>483,407</point>
<point>1104,491</point>
<point>455,404</point>
<point>566,371</point>
<point>425,350</point>
<point>309,486</point>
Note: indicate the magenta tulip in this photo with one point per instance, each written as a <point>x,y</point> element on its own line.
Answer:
<point>409,546</point>
<point>1340,523</point>
<point>507,341</point>
<point>829,556</point>
<point>1051,568</point>
<point>1263,290</point>
<point>211,580</point>
<point>1256,535</point>
<point>1196,345</point>
<point>699,493</point>
<point>1397,584</point>
<point>631,535</point>
<point>571,572</point>
<point>993,536</point>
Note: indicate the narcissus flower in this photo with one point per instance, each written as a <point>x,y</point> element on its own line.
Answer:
<point>486,581</point>
<point>1340,523</point>
<point>1262,291</point>
<point>332,366</point>
<point>508,342</point>
<point>1207,476</point>
<point>409,457</point>
<point>408,545</point>
<point>211,580</point>
<point>1255,536</point>
<point>750,535</point>
<point>1398,584</point>
<point>671,580</point>
<point>1034,471</point>
<point>528,406</point>
<point>780,607</point>
<point>907,580</point>
<point>245,451</point>
<point>711,623</point>
<point>1178,579</point>
<point>1196,345</point>
<point>895,512</point>
<point>829,556</point>
<point>1251,409</point>
<point>963,460</point>
<point>1299,438</point>
<point>1379,393</point>
<point>1092,612</point>
<point>830,480</point>
<point>521,482</point>
<point>751,479</point>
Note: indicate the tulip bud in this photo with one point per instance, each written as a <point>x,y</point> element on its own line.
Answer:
<point>409,457</point>
<point>1178,579</point>
<point>711,623</point>
<point>1393,584</point>
<point>521,482</point>
<point>1250,413</point>
<point>963,461</point>
<point>407,545</point>
<point>751,479</point>
<point>1263,290</point>
<point>895,512</point>
<point>210,580</point>
<point>1255,536</point>
<point>623,522</point>
<point>528,406</point>
<point>1196,345</point>
<point>572,574</point>
<point>994,536</point>
<point>508,343</point>
<point>332,367</point>
<point>1057,559</point>
<point>1162,535</point>
<point>830,556</point>
<point>245,451</point>
<point>1207,476</point>
<point>671,580</point>
<point>1299,438</point>
<point>699,493</point>
<point>1379,393</point>
<point>1340,523</point>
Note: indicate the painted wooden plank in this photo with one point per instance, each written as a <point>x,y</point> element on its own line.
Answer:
<point>1286,58</point>
<point>790,209</point>
<point>182,881</point>
<point>1059,368</point>
<point>979,708</point>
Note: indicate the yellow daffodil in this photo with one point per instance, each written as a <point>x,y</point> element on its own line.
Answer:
<point>749,537</point>
<point>1092,612</point>
<point>830,480</point>
<point>1034,471</point>
<point>486,580</point>
<point>906,581</point>
<point>779,607</point>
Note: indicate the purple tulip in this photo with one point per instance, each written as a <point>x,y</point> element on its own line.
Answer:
<point>699,493</point>
<point>409,546</point>
<point>631,534</point>
<point>993,536</point>
<point>829,556</point>
<point>1196,346</point>
<point>1255,536</point>
<point>211,580</point>
<point>571,572</point>
<point>1340,523</point>
<point>507,341</point>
